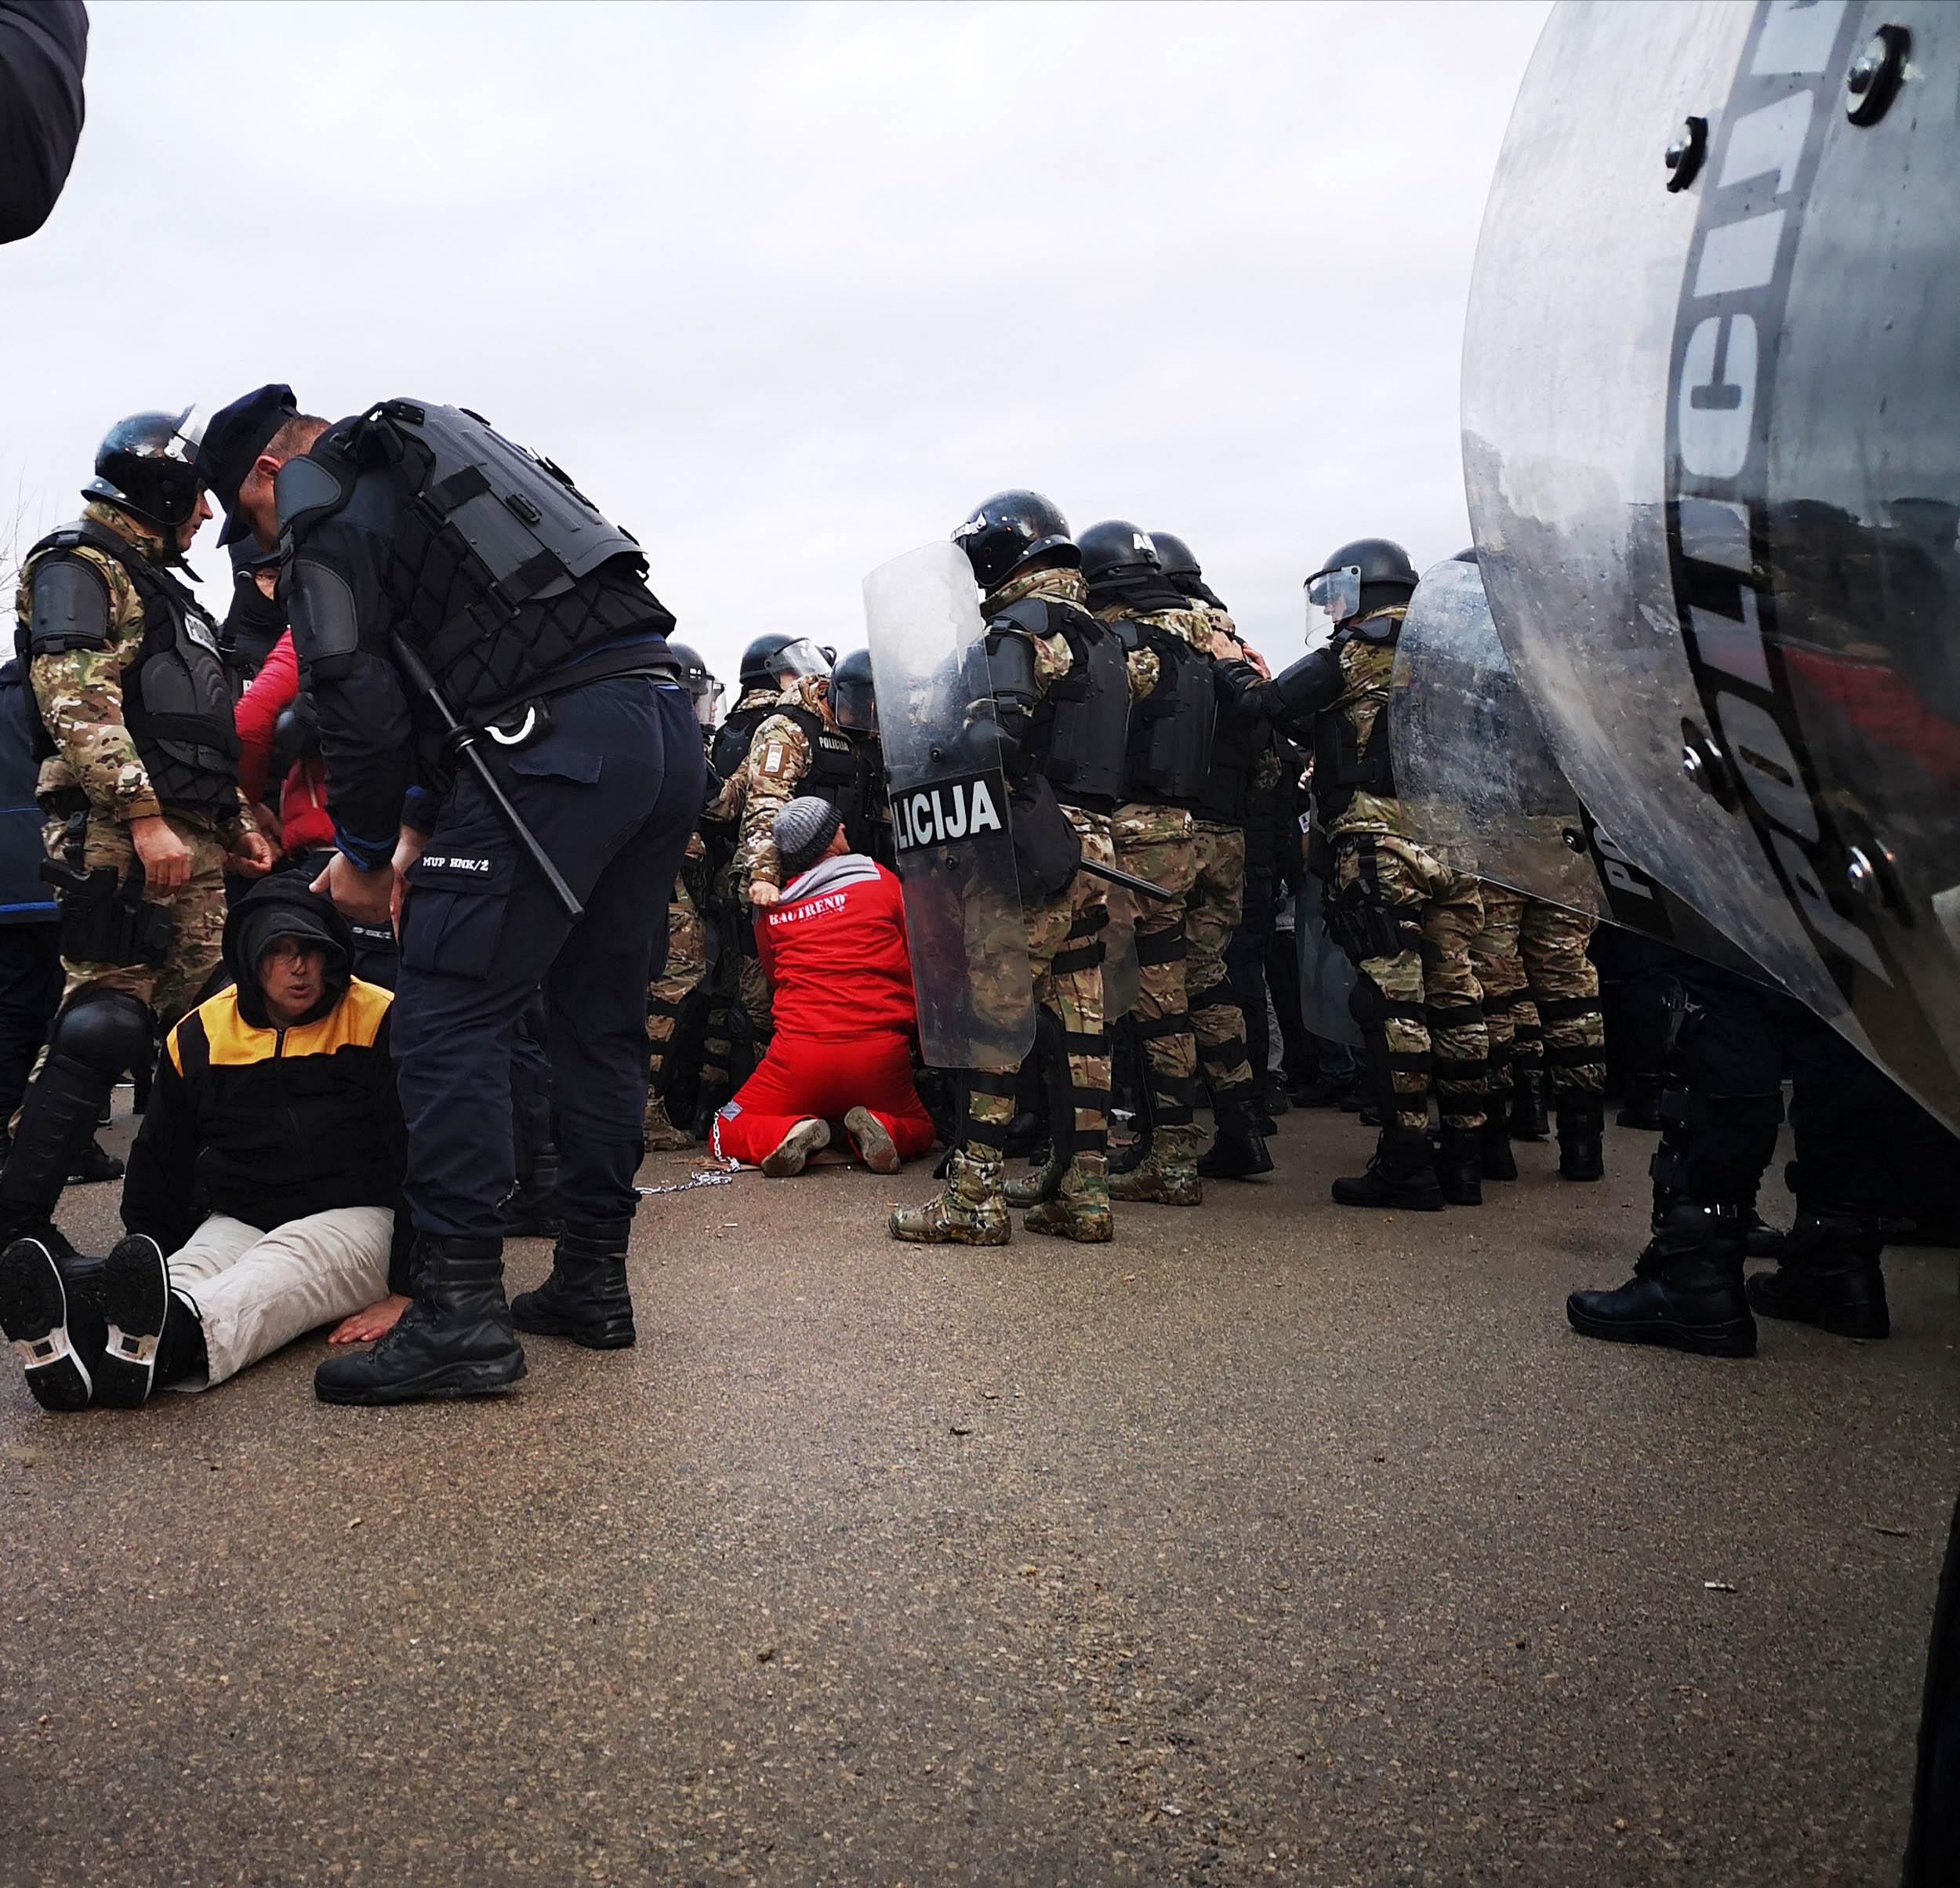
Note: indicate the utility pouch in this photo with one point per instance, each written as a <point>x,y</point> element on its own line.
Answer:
<point>105,919</point>
<point>1362,929</point>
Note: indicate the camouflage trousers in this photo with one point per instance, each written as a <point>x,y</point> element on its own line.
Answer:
<point>1408,920</point>
<point>1156,843</point>
<point>1547,991</point>
<point>1211,914</point>
<point>686,964</point>
<point>197,910</point>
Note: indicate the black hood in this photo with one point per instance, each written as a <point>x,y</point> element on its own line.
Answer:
<point>282,906</point>
<point>1139,590</point>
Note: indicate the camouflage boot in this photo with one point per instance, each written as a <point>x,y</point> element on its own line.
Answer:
<point>1167,1175</point>
<point>1080,1209</point>
<point>662,1136</point>
<point>971,1212</point>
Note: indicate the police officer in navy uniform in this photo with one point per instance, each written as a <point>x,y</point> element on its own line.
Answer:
<point>427,555</point>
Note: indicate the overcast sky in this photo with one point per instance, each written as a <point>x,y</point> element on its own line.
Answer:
<point>788,289</point>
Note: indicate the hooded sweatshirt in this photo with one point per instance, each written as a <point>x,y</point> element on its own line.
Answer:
<point>266,1124</point>
<point>835,952</point>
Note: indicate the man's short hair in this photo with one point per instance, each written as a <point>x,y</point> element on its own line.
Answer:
<point>296,436</point>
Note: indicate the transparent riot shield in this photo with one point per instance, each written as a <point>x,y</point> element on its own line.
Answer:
<point>1122,975</point>
<point>1710,411</point>
<point>950,821</point>
<point>1476,782</point>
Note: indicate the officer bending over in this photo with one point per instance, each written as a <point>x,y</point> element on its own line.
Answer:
<point>431,557</point>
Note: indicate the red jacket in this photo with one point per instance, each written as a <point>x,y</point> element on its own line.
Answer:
<point>835,953</point>
<point>303,822</point>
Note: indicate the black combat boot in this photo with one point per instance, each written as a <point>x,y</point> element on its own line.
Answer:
<point>1459,1159</point>
<point>51,1312</point>
<point>1237,1150</point>
<point>455,1339</point>
<point>1828,1275</point>
<point>1528,1119</point>
<point>1493,1143</point>
<point>154,1336</point>
<point>1686,1291</point>
<point>532,1212</point>
<point>1401,1175</point>
<point>585,1298</point>
<point>1642,1108</point>
<point>1582,1124</point>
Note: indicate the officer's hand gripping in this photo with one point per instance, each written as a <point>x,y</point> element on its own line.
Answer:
<point>367,897</point>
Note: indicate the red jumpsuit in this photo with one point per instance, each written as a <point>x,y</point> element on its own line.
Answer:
<point>835,953</point>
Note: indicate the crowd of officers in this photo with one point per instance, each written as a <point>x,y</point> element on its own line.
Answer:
<point>1123,693</point>
<point>478,702</point>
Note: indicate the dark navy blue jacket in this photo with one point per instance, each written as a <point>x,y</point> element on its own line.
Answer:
<point>24,897</point>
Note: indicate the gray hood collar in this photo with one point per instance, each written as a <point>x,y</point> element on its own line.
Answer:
<point>830,875</point>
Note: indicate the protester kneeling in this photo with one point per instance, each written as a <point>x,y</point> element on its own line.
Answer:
<point>261,1195</point>
<point>838,1071</point>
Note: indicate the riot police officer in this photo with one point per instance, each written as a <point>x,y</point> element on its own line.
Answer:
<point>866,804</point>
<point>1061,709</point>
<point>1168,756</point>
<point>798,749</point>
<point>1242,745</point>
<point>1405,918</point>
<point>440,573</point>
<point>140,779</point>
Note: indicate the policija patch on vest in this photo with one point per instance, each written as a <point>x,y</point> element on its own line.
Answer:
<point>964,808</point>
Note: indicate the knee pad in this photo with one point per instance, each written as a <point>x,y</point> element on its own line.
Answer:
<point>106,1032</point>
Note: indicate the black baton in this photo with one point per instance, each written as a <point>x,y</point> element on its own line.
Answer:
<point>1129,881</point>
<point>464,741</point>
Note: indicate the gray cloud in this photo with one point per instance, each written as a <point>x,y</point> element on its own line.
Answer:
<point>788,289</point>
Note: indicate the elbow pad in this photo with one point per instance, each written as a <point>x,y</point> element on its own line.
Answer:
<point>326,623</point>
<point>1302,691</point>
<point>69,607</point>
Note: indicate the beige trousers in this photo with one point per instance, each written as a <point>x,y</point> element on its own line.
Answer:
<point>256,1291</point>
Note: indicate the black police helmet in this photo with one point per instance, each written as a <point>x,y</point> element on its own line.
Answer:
<point>1175,556</point>
<point>694,673</point>
<point>854,704</point>
<point>1117,545</point>
<point>146,466</point>
<point>1379,560</point>
<point>1010,530</point>
<point>777,654</point>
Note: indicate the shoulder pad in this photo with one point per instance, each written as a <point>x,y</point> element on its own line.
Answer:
<point>1010,660</point>
<point>70,606</point>
<point>325,620</point>
<point>1029,615</point>
<point>308,488</point>
<point>1125,630</point>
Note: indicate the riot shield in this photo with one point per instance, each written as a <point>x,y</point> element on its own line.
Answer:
<point>1710,400</point>
<point>1326,973</point>
<point>1476,784</point>
<point>949,820</point>
<point>1122,975</point>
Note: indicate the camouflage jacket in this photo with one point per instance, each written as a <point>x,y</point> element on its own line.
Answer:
<point>1366,668</point>
<point>79,692</point>
<point>1188,625</point>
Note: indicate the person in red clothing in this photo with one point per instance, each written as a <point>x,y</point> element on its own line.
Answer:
<point>838,1069</point>
<point>304,824</point>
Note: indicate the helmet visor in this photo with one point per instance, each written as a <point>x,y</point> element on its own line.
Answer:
<point>189,436</point>
<point>855,706</point>
<point>1332,596</point>
<point>707,693</point>
<point>799,657</point>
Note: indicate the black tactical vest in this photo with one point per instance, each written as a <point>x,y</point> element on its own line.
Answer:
<point>735,736</point>
<point>834,774</point>
<point>1080,727</point>
<point>1344,766</point>
<point>1237,746</point>
<point>868,826</point>
<point>176,697</point>
<point>1171,729</point>
<point>500,572</point>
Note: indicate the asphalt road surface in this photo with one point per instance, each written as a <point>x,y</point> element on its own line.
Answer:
<point>1273,1542</point>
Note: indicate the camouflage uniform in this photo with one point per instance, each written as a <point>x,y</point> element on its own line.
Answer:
<point>1159,842</point>
<point>1064,947</point>
<point>1507,996</point>
<point>686,964</point>
<point>740,972</point>
<point>97,772</point>
<point>1215,910</point>
<point>779,757</point>
<point>1433,1026</point>
<point>1564,990</point>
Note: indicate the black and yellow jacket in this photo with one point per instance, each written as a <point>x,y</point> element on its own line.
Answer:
<point>267,1125</point>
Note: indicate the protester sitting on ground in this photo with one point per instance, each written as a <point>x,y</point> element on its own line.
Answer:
<point>838,1073</point>
<point>261,1193</point>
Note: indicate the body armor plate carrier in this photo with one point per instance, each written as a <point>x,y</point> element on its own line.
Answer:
<point>1344,766</point>
<point>1169,743</point>
<point>1081,725</point>
<point>176,700</point>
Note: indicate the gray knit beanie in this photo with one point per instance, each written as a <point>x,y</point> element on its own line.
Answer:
<point>801,831</point>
